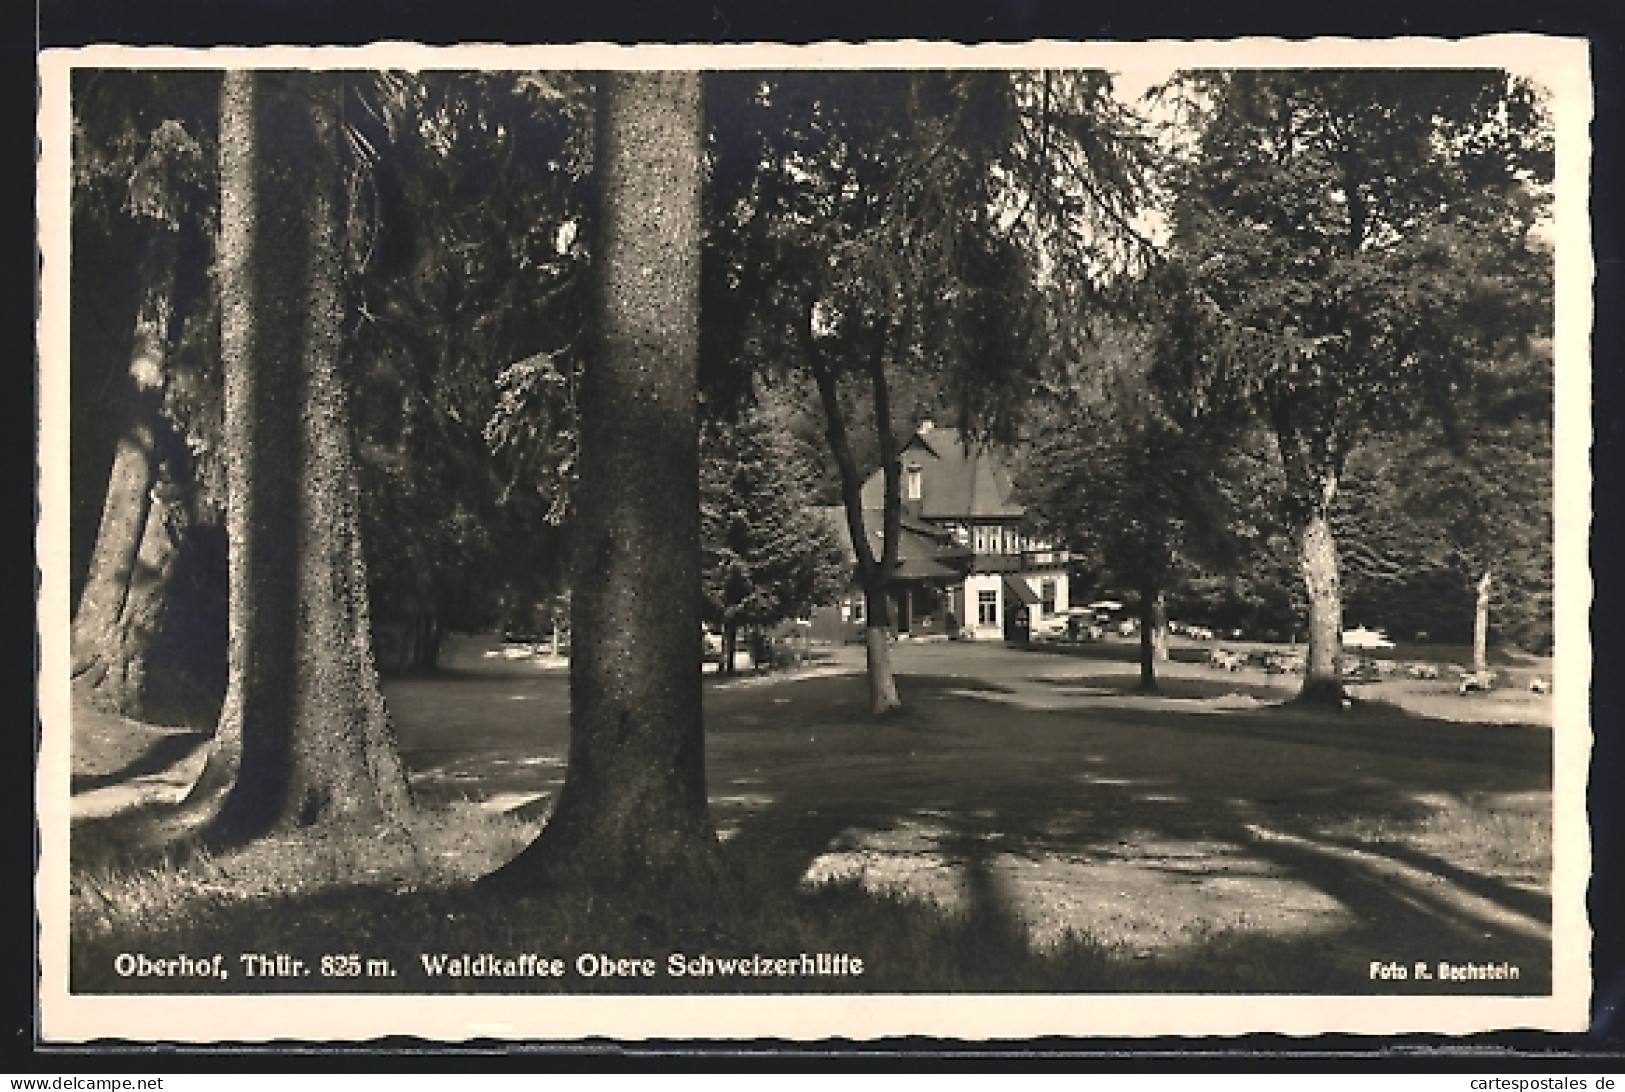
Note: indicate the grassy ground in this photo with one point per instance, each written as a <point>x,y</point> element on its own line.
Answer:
<point>1029,823</point>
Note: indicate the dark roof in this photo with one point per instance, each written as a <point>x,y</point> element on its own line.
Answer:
<point>1018,588</point>
<point>923,551</point>
<point>955,482</point>
<point>924,568</point>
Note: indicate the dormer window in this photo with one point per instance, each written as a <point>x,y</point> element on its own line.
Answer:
<point>912,483</point>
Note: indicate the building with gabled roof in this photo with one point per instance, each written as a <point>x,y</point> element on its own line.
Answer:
<point>966,567</point>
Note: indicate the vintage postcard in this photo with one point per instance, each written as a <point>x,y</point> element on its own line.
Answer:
<point>681,542</point>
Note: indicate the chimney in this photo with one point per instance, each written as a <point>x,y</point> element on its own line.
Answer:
<point>926,426</point>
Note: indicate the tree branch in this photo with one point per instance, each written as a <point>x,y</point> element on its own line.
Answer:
<point>840,446</point>
<point>890,465</point>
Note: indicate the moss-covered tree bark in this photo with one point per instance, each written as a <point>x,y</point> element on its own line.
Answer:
<point>632,820</point>
<point>303,737</point>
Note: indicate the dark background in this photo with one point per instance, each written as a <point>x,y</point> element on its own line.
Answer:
<point>60,23</point>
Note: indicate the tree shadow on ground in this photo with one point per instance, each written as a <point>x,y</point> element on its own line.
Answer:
<point>1244,799</point>
<point>1012,816</point>
<point>164,752</point>
<point>146,835</point>
<point>1168,686</point>
<point>1519,900</point>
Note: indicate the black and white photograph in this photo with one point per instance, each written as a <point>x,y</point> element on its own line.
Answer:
<point>548,542</point>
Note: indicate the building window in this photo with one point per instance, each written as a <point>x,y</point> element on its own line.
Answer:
<point>998,540</point>
<point>914,484</point>
<point>987,608</point>
<point>989,540</point>
<point>857,609</point>
<point>1046,593</point>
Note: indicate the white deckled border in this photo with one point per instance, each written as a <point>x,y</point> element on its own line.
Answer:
<point>1560,65</point>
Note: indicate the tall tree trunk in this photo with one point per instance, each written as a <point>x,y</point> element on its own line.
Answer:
<point>432,638</point>
<point>1313,466</point>
<point>877,649</point>
<point>304,737</point>
<point>1317,558</point>
<point>1481,624</point>
<point>115,676</point>
<point>883,696</point>
<point>730,647</point>
<point>134,553</point>
<point>873,573</point>
<point>1159,631</point>
<point>632,820</point>
<point>1153,633</point>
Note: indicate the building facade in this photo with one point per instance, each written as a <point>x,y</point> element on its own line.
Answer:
<point>966,568</point>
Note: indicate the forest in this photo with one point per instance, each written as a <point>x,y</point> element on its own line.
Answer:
<point>362,360</point>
